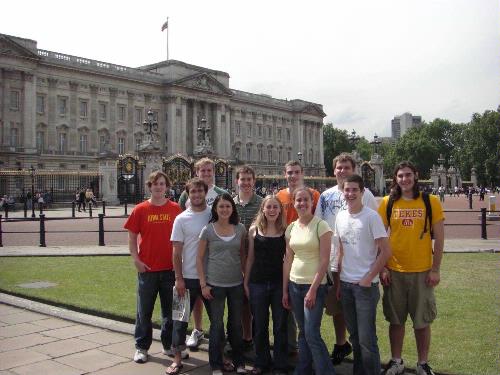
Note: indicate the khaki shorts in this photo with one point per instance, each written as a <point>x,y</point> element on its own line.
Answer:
<point>333,306</point>
<point>409,294</point>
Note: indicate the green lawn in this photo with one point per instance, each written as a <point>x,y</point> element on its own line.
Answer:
<point>465,334</point>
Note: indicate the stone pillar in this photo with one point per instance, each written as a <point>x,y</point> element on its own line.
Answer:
<point>473,177</point>
<point>321,160</point>
<point>113,92</point>
<point>29,112</point>
<point>109,178</point>
<point>52,109</point>
<point>152,160</point>
<point>4,103</point>
<point>227,137</point>
<point>131,122</point>
<point>377,162</point>
<point>172,115</point>
<point>435,177</point>
<point>94,109</point>
<point>183,128</point>
<point>217,134</point>
<point>163,124</point>
<point>73,114</point>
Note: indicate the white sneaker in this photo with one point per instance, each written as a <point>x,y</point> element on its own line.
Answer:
<point>424,369</point>
<point>171,354</point>
<point>394,368</point>
<point>194,340</point>
<point>141,356</point>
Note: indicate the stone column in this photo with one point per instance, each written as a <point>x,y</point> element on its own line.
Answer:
<point>29,112</point>
<point>94,109</point>
<point>321,160</point>
<point>4,106</point>
<point>73,114</point>
<point>183,128</point>
<point>435,177</point>
<point>216,136</point>
<point>171,109</point>
<point>227,137</point>
<point>131,122</point>
<point>52,109</point>
<point>113,92</point>
<point>377,162</point>
<point>162,125</point>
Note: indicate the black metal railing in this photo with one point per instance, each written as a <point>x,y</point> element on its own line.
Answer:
<point>42,219</point>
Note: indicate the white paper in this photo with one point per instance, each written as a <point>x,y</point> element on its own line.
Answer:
<point>180,306</point>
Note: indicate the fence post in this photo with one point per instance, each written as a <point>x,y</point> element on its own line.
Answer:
<point>40,207</point>
<point>101,230</point>
<point>90,210</point>
<point>42,231</point>
<point>25,207</point>
<point>126,208</point>
<point>1,242</point>
<point>73,204</point>
<point>470,201</point>
<point>104,208</point>
<point>6,209</point>
<point>484,234</point>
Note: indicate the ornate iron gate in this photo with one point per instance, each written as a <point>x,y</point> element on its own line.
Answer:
<point>179,170</point>
<point>368,175</point>
<point>130,179</point>
<point>223,174</point>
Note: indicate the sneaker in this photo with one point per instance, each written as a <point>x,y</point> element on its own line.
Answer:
<point>340,352</point>
<point>394,368</point>
<point>170,353</point>
<point>424,369</point>
<point>141,356</point>
<point>194,340</point>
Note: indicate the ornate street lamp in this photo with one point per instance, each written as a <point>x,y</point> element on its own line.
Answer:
<point>32,170</point>
<point>353,138</point>
<point>150,126</point>
<point>299,156</point>
<point>376,142</point>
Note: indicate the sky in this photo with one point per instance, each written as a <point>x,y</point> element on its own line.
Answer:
<point>365,61</point>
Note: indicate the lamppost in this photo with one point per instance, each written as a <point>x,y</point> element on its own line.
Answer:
<point>376,142</point>
<point>150,126</point>
<point>353,138</point>
<point>32,170</point>
<point>299,156</point>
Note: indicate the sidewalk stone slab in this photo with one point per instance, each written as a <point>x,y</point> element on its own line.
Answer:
<point>47,368</point>
<point>6,310</point>
<point>72,331</point>
<point>20,357</point>
<point>20,329</point>
<point>19,342</point>
<point>153,367</point>
<point>22,317</point>
<point>105,337</point>
<point>92,360</point>
<point>64,347</point>
<point>53,323</point>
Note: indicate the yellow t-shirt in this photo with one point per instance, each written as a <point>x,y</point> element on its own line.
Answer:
<point>305,244</point>
<point>410,253</point>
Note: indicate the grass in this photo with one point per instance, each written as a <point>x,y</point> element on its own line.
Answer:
<point>464,339</point>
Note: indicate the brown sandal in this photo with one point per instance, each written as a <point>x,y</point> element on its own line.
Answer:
<point>174,369</point>
<point>228,366</point>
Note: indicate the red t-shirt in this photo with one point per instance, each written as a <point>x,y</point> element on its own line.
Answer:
<point>286,200</point>
<point>154,224</point>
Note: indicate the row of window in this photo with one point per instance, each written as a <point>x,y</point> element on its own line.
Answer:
<point>279,155</point>
<point>261,129</point>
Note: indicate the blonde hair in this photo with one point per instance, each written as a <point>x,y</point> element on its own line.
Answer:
<point>203,161</point>
<point>261,221</point>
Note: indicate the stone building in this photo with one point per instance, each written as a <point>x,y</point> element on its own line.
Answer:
<point>401,124</point>
<point>60,112</point>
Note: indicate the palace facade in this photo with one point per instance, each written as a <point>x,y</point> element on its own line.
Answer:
<point>60,112</point>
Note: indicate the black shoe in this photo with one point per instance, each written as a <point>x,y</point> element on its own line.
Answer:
<point>340,352</point>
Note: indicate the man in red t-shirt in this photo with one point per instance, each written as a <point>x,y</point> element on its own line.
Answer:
<point>153,221</point>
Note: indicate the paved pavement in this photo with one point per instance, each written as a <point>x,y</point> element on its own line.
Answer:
<point>42,339</point>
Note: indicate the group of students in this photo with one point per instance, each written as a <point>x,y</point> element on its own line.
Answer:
<point>293,253</point>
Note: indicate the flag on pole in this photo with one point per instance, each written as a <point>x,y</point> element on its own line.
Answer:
<point>165,25</point>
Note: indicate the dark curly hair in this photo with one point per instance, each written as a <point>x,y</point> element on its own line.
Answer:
<point>395,190</point>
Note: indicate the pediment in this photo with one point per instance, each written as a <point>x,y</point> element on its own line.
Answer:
<point>203,82</point>
<point>313,110</point>
<point>10,47</point>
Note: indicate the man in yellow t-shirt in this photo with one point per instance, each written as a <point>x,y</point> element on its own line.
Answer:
<point>412,272</point>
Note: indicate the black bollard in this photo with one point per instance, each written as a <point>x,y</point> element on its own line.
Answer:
<point>90,210</point>
<point>25,208</point>
<point>470,201</point>
<point>73,204</point>
<point>40,207</point>
<point>104,208</point>
<point>6,209</point>
<point>126,208</point>
<point>101,230</point>
<point>1,243</point>
<point>484,234</point>
<point>42,231</point>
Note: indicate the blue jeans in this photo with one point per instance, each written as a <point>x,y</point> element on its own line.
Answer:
<point>263,296</point>
<point>180,328</point>
<point>149,285</point>
<point>360,312</point>
<point>234,297</point>
<point>312,348</point>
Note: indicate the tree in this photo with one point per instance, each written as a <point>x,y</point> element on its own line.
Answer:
<point>335,141</point>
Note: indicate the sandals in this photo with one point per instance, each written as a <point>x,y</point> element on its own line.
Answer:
<point>174,369</point>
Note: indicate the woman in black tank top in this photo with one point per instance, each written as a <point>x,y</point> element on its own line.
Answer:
<point>263,285</point>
